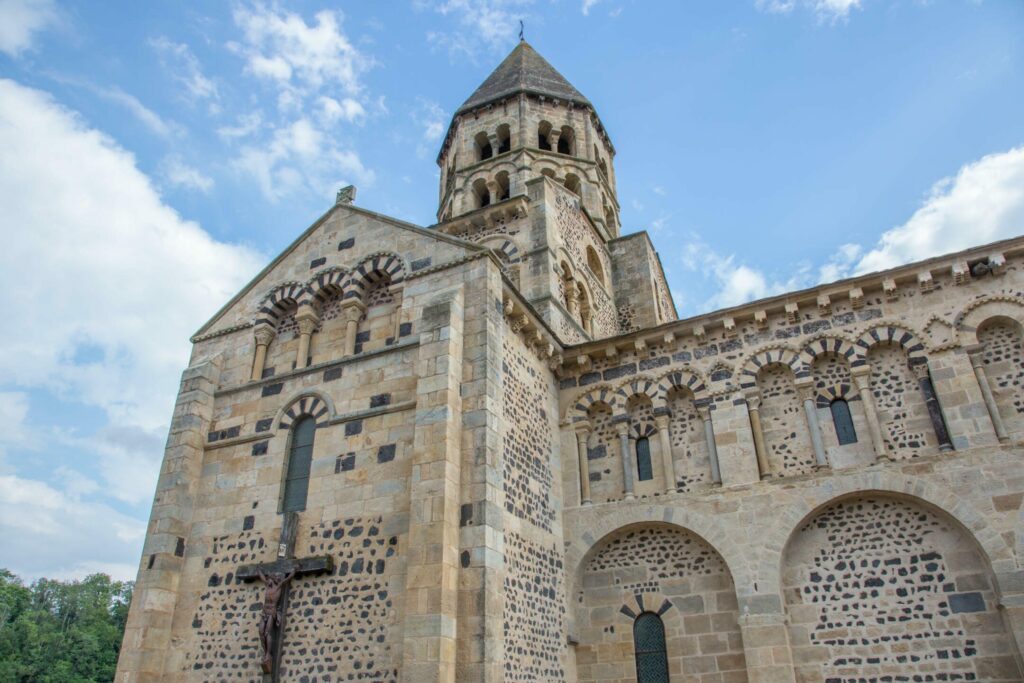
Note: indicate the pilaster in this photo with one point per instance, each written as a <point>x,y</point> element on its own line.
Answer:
<point>147,637</point>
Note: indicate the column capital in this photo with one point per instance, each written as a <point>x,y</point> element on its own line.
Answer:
<point>861,377</point>
<point>661,421</point>
<point>352,310</point>
<point>752,397</point>
<point>307,325</point>
<point>976,353</point>
<point>704,410</point>
<point>920,370</point>
<point>264,334</point>
<point>582,429</point>
<point>805,387</point>
<point>622,429</point>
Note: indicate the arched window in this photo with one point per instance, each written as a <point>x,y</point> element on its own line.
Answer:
<point>644,470</point>
<point>566,140</point>
<point>503,185</point>
<point>482,194</point>
<point>572,181</point>
<point>649,644</point>
<point>843,421</point>
<point>504,138</point>
<point>542,136</point>
<point>300,456</point>
<point>594,263</point>
<point>483,147</point>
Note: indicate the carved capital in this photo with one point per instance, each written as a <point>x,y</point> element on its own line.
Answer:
<point>704,410</point>
<point>352,310</point>
<point>555,362</point>
<point>661,421</point>
<point>264,335</point>
<point>920,370</point>
<point>753,399</point>
<point>307,325</point>
<point>976,352</point>
<point>805,388</point>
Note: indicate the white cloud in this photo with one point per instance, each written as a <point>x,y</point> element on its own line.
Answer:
<point>107,328</point>
<point>132,104</point>
<point>587,6</point>
<point>21,20</point>
<point>983,203</point>
<point>432,120</point>
<point>189,74</point>
<point>179,174</point>
<point>106,325</point>
<point>300,157</point>
<point>347,109</point>
<point>826,10</point>
<point>299,57</point>
<point>55,533</point>
<point>737,283</point>
<point>481,25</point>
<point>13,411</point>
<point>247,125</point>
<point>304,150</point>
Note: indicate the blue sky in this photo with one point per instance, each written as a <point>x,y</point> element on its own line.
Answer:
<point>154,155</point>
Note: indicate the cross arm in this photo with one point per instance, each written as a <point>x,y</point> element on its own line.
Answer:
<point>321,564</point>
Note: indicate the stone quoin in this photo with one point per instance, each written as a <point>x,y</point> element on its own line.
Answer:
<point>504,457</point>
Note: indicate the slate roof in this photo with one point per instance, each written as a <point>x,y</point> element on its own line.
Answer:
<point>524,70</point>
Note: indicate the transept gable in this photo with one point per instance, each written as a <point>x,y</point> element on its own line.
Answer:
<point>339,250</point>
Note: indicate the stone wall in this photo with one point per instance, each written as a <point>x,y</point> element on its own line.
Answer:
<point>534,589</point>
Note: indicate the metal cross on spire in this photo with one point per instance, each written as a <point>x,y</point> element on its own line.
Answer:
<point>521,28</point>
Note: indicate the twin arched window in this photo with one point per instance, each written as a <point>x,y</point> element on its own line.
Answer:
<point>649,645</point>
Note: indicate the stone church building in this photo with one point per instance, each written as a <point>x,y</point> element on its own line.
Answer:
<point>488,450</point>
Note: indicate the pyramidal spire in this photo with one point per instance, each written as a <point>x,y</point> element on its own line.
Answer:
<point>523,71</point>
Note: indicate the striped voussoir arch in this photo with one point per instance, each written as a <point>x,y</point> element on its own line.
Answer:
<point>312,406</point>
<point>371,270</point>
<point>911,345</point>
<point>329,282</point>
<point>602,394</point>
<point>280,299</point>
<point>781,356</point>
<point>641,386</point>
<point>510,250</point>
<point>843,390</point>
<point>682,379</point>
<point>831,346</point>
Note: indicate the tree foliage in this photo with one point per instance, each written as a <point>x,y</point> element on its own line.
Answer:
<point>61,632</point>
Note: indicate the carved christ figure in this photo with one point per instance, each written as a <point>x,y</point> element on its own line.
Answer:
<point>270,618</point>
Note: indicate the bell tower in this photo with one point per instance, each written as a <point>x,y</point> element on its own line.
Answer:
<point>524,121</point>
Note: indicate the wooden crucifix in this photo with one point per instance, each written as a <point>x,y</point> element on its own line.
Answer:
<point>277,576</point>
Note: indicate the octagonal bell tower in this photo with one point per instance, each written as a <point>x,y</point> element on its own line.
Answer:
<point>526,120</point>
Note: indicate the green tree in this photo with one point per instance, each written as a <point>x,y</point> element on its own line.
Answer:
<point>61,632</point>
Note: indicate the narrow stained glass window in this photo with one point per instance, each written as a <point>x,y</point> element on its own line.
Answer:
<point>843,421</point>
<point>649,644</point>
<point>300,456</point>
<point>644,471</point>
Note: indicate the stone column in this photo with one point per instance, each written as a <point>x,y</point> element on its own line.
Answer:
<point>431,597</point>
<point>924,381</point>
<point>766,648</point>
<point>147,651</point>
<point>627,459</point>
<point>572,298</point>
<point>754,410</point>
<point>709,439</point>
<point>553,138</point>
<point>806,388</point>
<point>264,335</point>
<point>308,320</point>
<point>976,354</point>
<point>581,453</point>
<point>668,464</point>
<point>351,311</point>
<point>862,378</point>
